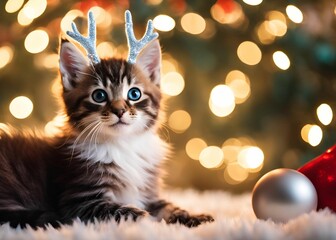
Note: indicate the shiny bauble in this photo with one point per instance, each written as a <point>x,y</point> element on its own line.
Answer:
<point>322,173</point>
<point>283,194</point>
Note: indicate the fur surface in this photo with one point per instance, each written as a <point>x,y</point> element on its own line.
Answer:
<point>234,220</point>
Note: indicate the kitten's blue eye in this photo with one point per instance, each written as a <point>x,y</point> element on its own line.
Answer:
<point>99,95</point>
<point>134,94</point>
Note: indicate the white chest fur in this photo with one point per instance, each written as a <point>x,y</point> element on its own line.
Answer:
<point>135,157</point>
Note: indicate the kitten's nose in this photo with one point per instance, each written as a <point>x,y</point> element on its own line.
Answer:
<point>118,107</point>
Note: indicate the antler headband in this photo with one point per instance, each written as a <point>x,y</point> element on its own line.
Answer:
<point>135,46</point>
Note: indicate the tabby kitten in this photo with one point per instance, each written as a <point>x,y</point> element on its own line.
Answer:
<point>106,162</point>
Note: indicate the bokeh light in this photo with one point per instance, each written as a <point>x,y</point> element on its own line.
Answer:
<point>253,2</point>
<point>69,18</point>
<point>304,132</point>
<point>211,157</point>
<point>264,36</point>
<point>168,66</point>
<point>276,28</point>
<point>249,53</point>
<point>31,10</point>
<point>315,135</point>
<point>6,55</point>
<point>312,134</point>
<point>193,23</point>
<point>230,152</point>
<point>235,74</point>
<point>102,17</point>
<point>324,114</point>
<point>281,60</point>
<point>21,107</point>
<point>35,8</point>
<point>276,15</point>
<point>23,19</point>
<point>50,61</point>
<point>194,147</point>
<point>164,23</point>
<point>235,17</point>
<point>36,41</point>
<point>13,5</point>
<point>210,29</point>
<point>234,173</point>
<point>239,84</point>
<point>154,2</point>
<point>179,121</point>
<point>294,14</point>
<point>222,100</point>
<point>105,50</point>
<point>172,84</point>
<point>251,157</point>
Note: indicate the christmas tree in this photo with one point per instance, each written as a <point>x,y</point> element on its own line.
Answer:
<point>249,85</point>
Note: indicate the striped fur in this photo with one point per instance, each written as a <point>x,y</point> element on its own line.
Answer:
<point>105,163</point>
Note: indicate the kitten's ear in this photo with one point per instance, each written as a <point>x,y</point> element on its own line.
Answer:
<point>149,60</point>
<point>72,62</point>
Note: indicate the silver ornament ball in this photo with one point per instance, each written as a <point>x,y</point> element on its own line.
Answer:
<point>283,194</point>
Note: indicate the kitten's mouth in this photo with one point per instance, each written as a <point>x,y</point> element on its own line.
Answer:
<point>119,123</point>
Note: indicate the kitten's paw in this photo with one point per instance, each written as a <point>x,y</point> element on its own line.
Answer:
<point>128,213</point>
<point>183,217</point>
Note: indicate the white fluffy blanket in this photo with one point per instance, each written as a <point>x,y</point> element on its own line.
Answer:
<point>234,219</point>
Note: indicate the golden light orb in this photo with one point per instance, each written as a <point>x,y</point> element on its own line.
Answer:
<point>21,107</point>
<point>194,147</point>
<point>211,157</point>
<point>249,53</point>
<point>164,23</point>
<point>179,121</point>
<point>36,41</point>
<point>193,23</point>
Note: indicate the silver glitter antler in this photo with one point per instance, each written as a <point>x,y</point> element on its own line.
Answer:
<point>89,42</point>
<point>134,45</point>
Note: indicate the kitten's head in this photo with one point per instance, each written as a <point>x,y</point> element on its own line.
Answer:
<point>112,97</point>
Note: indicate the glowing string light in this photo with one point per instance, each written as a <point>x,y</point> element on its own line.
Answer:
<point>211,157</point>
<point>251,157</point>
<point>249,53</point>
<point>6,55</point>
<point>324,114</point>
<point>222,100</point>
<point>179,121</point>
<point>281,60</point>
<point>194,147</point>
<point>21,107</point>
<point>164,23</point>
<point>312,134</point>
<point>36,41</point>
<point>294,14</point>
<point>253,2</point>
<point>193,23</point>
<point>13,5</point>
<point>172,83</point>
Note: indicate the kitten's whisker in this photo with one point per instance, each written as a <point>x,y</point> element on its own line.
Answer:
<point>74,145</point>
<point>97,134</point>
<point>91,133</point>
<point>166,128</point>
<point>96,129</point>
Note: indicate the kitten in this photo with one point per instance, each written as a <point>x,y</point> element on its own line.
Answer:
<point>106,162</point>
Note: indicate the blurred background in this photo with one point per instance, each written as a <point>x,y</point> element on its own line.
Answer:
<point>250,84</point>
